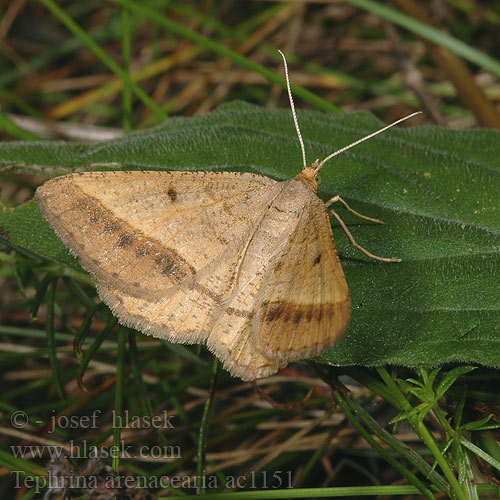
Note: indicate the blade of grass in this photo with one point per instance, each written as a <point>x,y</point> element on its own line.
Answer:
<point>407,474</point>
<point>75,288</point>
<point>139,382</point>
<point>41,291</point>
<point>418,425</point>
<point>317,455</point>
<point>51,346</point>
<point>12,463</point>
<point>120,382</point>
<point>205,422</point>
<point>94,347</point>
<point>335,492</point>
<point>13,129</point>
<point>96,49</point>
<point>79,338</point>
<point>430,33</point>
<point>169,24</point>
<point>127,91</point>
<point>405,451</point>
<point>465,471</point>
<point>395,396</point>
<point>480,453</point>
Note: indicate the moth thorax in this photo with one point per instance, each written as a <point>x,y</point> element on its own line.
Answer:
<point>310,175</point>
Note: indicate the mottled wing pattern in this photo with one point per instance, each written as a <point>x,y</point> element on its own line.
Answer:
<point>304,305</point>
<point>185,313</point>
<point>191,316</point>
<point>146,232</point>
<point>231,337</point>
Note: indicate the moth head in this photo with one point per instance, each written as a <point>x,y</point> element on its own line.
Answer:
<point>310,175</point>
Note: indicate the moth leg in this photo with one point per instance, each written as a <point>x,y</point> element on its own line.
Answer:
<point>353,241</point>
<point>357,214</point>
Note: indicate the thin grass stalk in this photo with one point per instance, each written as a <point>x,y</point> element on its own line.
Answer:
<point>51,344</point>
<point>205,422</point>
<point>108,61</point>
<point>120,376</point>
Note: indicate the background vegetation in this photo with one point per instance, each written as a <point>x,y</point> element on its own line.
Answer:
<point>94,71</point>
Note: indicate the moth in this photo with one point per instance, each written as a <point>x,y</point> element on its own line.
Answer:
<point>240,262</point>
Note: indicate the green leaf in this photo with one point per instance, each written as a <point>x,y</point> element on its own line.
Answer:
<point>478,425</point>
<point>436,190</point>
<point>450,378</point>
<point>419,411</point>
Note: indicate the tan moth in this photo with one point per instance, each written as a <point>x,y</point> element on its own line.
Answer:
<point>240,262</point>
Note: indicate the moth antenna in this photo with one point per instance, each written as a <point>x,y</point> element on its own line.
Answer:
<point>355,143</point>
<point>292,105</point>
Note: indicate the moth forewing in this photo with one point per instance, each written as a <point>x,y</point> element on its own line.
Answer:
<point>303,305</point>
<point>127,225</point>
